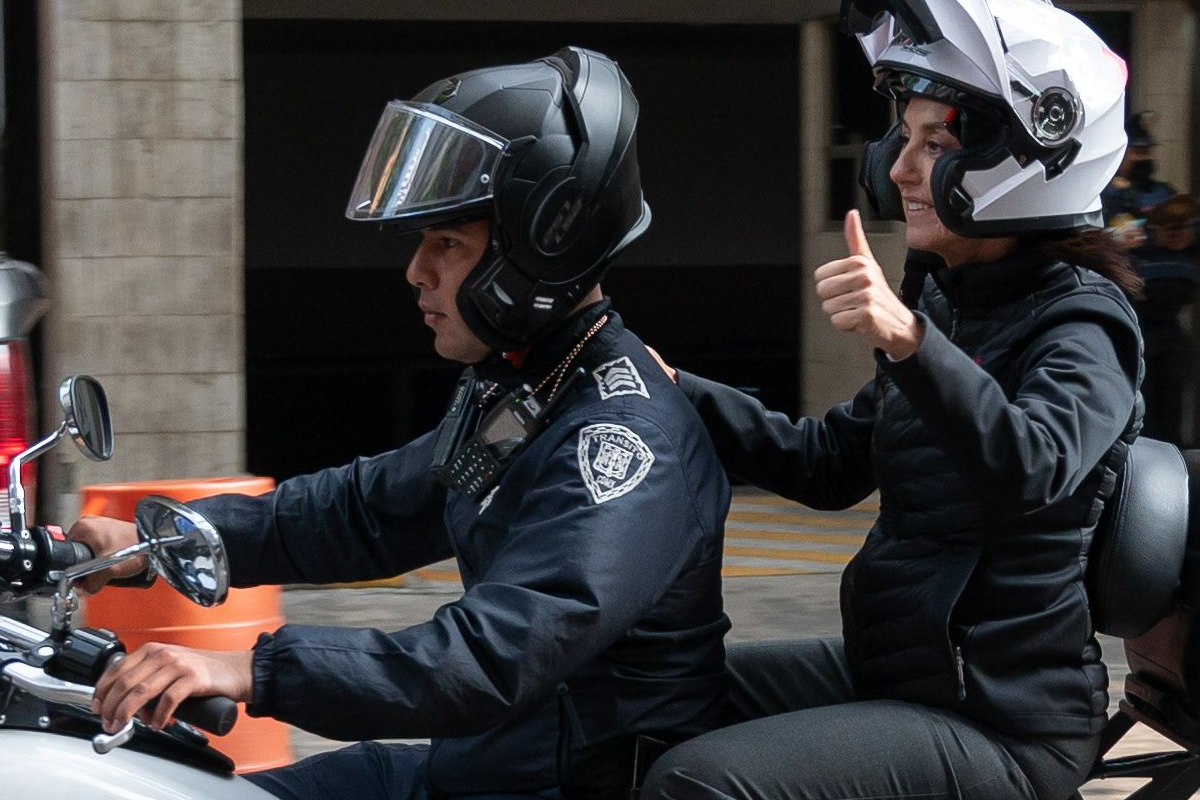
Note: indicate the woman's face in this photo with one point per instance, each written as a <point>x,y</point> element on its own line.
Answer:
<point>926,139</point>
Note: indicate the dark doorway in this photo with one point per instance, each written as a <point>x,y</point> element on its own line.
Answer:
<point>20,184</point>
<point>338,361</point>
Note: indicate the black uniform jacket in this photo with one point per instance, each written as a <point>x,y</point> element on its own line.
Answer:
<point>993,448</point>
<point>592,608</point>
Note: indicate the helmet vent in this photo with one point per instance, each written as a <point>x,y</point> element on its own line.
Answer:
<point>1062,159</point>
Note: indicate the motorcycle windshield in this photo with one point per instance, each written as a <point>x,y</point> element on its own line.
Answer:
<point>959,38</point>
<point>424,161</point>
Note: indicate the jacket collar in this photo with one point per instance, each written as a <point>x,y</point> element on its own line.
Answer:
<point>550,348</point>
<point>992,283</point>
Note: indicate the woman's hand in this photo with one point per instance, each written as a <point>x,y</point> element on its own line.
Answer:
<point>856,296</point>
<point>171,674</point>
<point>104,536</point>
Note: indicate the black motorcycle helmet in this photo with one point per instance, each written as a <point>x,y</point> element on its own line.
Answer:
<point>546,151</point>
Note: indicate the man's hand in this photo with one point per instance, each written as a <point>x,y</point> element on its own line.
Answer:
<point>171,674</point>
<point>857,297</point>
<point>105,535</point>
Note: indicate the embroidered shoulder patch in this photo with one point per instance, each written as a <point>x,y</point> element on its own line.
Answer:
<point>613,460</point>
<point>619,377</point>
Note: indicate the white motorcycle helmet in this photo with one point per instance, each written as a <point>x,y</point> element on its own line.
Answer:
<point>1040,104</point>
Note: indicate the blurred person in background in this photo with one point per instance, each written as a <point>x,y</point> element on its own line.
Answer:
<point>1167,264</point>
<point>1134,190</point>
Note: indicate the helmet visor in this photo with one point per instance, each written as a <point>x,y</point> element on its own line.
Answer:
<point>424,163</point>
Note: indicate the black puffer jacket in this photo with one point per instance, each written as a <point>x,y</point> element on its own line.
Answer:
<point>993,448</point>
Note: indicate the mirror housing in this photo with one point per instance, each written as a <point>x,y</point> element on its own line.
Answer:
<point>85,418</point>
<point>184,548</point>
<point>85,411</point>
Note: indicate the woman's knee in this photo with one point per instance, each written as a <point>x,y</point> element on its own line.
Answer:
<point>688,771</point>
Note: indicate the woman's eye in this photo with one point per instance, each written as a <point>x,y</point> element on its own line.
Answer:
<point>449,243</point>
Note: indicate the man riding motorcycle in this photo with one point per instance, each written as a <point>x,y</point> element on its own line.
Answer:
<point>572,482</point>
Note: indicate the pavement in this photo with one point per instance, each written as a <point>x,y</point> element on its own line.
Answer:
<point>782,567</point>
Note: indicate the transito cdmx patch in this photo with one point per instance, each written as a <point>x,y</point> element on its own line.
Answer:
<point>613,460</point>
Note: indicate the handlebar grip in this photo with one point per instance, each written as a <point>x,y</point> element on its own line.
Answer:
<point>213,714</point>
<point>82,552</point>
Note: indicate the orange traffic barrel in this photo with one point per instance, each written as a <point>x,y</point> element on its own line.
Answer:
<point>160,614</point>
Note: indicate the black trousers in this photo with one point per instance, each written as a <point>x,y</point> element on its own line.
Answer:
<point>365,771</point>
<point>798,734</point>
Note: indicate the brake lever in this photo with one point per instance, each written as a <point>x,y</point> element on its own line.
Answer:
<point>104,743</point>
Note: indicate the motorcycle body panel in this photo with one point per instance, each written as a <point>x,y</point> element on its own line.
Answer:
<point>38,765</point>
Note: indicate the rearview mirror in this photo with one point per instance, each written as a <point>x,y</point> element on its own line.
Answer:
<point>85,418</point>
<point>185,549</point>
<point>85,411</point>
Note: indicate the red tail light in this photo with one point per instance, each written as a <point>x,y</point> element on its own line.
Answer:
<point>17,412</point>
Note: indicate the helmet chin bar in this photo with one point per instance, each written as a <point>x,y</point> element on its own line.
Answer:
<point>875,178</point>
<point>507,309</point>
<point>992,143</point>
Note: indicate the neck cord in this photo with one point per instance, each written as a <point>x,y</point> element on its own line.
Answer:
<point>561,370</point>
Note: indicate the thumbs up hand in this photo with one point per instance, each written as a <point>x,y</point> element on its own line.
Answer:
<point>857,297</point>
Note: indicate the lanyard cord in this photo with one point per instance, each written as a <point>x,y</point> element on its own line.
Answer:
<point>561,370</point>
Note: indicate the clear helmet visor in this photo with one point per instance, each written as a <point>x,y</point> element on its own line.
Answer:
<point>424,161</point>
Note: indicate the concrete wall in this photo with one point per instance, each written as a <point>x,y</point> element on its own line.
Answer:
<point>143,217</point>
<point>1165,35</point>
<point>143,228</point>
<point>674,11</point>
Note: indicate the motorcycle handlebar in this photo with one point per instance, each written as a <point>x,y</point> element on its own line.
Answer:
<point>81,552</point>
<point>213,714</point>
<point>84,553</point>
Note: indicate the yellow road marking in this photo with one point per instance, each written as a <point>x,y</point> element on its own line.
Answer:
<point>433,574</point>
<point>810,520</point>
<point>394,582</point>
<point>788,555</point>
<point>775,500</point>
<point>848,539</point>
<point>763,572</point>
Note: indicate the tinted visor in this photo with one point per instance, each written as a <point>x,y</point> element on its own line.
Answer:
<point>424,163</point>
<point>899,85</point>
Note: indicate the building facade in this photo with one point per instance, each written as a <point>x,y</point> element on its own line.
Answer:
<point>175,147</point>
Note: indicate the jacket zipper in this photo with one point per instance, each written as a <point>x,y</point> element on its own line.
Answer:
<point>569,727</point>
<point>958,667</point>
<point>953,322</point>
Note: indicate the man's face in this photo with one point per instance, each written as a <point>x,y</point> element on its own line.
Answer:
<point>443,259</point>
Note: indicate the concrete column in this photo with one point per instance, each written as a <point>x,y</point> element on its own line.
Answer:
<point>834,364</point>
<point>143,229</point>
<point>1165,42</point>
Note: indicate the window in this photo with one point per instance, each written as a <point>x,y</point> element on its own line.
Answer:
<point>858,115</point>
